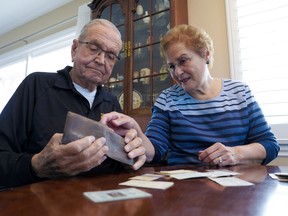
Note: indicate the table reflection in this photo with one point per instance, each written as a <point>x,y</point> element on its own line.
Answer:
<point>276,199</point>
<point>253,173</point>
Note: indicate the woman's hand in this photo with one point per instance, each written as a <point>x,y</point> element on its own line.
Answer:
<point>219,154</point>
<point>126,126</point>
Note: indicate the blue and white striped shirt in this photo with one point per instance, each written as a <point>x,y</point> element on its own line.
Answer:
<point>182,125</point>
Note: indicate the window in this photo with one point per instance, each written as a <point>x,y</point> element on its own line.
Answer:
<point>50,61</point>
<point>258,44</point>
<point>10,77</point>
<point>49,54</point>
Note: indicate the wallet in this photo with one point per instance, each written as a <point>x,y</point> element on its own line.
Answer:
<point>78,126</point>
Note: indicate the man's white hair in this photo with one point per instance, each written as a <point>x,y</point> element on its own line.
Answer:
<point>102,22</point>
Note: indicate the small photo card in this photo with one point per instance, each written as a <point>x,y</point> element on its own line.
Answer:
<point>231,182</point>
<point>279,176</point>
<point>174,172</point>
<point>116,195</point>
<point>147,177</point>
<point>148,184</point>
<point>282,175</point>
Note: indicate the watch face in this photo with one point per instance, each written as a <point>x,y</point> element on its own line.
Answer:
<point>137,99</point>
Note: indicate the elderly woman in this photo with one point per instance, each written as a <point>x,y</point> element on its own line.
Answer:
<point>201,119</point>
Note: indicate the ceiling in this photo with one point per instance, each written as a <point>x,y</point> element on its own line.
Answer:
<point>18,12</point>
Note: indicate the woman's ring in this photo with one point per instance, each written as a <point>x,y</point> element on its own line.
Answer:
<point>220,160</point>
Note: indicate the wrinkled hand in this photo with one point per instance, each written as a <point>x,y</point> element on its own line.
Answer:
<point>119,123</point>
<point>129,128</point>
<point>219,154</point>
<point>57,160</point>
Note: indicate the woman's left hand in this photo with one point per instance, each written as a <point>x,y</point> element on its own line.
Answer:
<point>219,154</point>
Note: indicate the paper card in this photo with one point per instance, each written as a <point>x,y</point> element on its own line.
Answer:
<point>221,173</point>
<point>231,182</point>
<point>188,175</point>
<point>171,172</point>
<point>282,175</point>
<point>279,178</point>
<point>116,195</point>
<point>210,173</point>
<point>147,177</point>
<point>148,184</point>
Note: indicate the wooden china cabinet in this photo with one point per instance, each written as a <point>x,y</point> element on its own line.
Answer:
<point>139,76</point>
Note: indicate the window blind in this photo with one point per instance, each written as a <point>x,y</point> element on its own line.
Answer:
<point>263,43</point>
<point>258,45</point>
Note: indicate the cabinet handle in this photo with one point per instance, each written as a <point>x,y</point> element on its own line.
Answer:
<point>129,49</point>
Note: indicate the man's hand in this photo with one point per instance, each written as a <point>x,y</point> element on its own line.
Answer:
<point>79,156</point>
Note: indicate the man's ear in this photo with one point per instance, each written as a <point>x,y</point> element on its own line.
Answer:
<point>73,49</point>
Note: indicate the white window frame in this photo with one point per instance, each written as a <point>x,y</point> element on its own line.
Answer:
<point>280,130</point>
<point>42,46</point>
<point>46,44</point>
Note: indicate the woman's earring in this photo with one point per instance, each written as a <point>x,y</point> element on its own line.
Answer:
<point>208,62</point>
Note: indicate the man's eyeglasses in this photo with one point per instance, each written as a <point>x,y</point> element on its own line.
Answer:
<point>181,62</point>
<point>94,49</point>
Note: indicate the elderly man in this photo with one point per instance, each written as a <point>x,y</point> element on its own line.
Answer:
<point>32,122</point>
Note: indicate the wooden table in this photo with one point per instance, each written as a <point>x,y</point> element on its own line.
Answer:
<point>187,197</point>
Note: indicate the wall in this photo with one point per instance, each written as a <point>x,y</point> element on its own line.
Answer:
<point>211,16</point>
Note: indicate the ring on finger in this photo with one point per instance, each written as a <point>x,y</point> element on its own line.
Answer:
<point>220,160</point>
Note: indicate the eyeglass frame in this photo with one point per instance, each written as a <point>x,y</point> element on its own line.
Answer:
<point>172,67</point>
<point>100,50</point>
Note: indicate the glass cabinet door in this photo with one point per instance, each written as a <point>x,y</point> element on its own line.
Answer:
<point>151,21</point>
<point>139,76</point>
